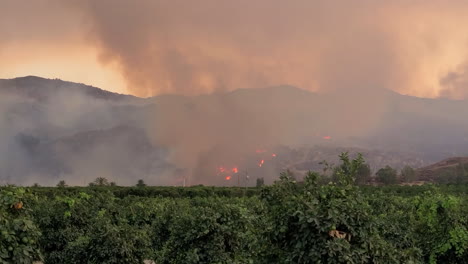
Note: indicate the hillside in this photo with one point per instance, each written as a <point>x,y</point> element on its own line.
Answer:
<point>445,170</point>
<point>42,90</point>
<point>68,121</point>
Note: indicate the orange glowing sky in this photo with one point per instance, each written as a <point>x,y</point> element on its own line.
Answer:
<point>152,47</point>
<point>70,63</point>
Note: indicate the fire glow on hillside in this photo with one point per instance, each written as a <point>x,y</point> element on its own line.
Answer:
<point>227,171</point>
<point>260,164</point>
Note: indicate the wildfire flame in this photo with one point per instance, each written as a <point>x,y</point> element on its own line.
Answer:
<point>261,163</point>
<point>228,172</point>
<point>327,137</point>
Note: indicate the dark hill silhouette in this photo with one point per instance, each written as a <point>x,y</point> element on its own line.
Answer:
<point>41,89</point>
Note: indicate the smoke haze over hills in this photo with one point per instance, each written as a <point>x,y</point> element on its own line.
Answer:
<point>54,130</point>
<point>217,84</point>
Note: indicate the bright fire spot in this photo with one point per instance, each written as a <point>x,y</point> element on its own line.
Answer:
<point>260,151</point>
<point>235,170</point>
<point>228,178</point>
<point>273,155</point>
<point>327,137</point>
<point>261,163</point>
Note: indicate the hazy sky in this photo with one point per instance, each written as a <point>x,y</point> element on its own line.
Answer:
<point>149,47</point>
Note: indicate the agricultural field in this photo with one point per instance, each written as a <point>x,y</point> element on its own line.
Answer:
<point>287,222</point>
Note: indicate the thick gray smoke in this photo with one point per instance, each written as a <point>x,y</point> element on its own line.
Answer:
<point>53,130</point>
<point>351,53</point>
<point>205,46</point>
<point>193,47</point>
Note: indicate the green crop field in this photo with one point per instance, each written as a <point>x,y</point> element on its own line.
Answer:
<point>287,222</point>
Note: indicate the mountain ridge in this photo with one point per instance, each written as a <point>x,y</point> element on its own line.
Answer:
<point>59,83</point>
<point>22,87</point>
<point>201,132</point>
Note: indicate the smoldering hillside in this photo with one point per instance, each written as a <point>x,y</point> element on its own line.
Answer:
<point>53,130</point>
<point>58,130</point>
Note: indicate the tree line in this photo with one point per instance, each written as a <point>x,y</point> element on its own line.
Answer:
<point>291,221</point>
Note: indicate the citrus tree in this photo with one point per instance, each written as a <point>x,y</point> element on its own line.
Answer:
<point>18,233</point>
<point>333,223</point>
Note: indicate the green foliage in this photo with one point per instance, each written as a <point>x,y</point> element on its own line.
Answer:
<point>260,182</point>
<point>441,227</point>
<point>363,175</point>
<point>60,184</point>
<point>324,223</point>
<point>415,190</point>
<point>408,174</point>
<point>431,227</point>
<point>100,182</point>
<point>208,231</point>
<point>18,233</point>
<point>150,191</point>
<point>89,229</point>
<point>387,175</point>
<point>288,222</point>
<point>140,183</point>
<point>107,242</point>
<point>348,171</point>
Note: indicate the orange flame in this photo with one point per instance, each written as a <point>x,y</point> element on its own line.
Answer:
<point>228,178</point>
<point>235,170</point>
<point>261,163</point>
<point>273,155</point>
<point>327,137</point>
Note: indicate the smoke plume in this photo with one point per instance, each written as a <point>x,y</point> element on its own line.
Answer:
<point>195,47</point>
<point>204,46</point>
<point>353,52</point>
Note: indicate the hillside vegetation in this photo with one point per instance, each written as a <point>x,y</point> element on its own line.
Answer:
<point>451,170</point>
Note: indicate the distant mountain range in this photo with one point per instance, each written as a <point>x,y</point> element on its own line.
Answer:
<point>53,130</point>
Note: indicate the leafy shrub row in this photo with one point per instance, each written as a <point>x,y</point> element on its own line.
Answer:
<point>149,191</point>
<point>287,222</point>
